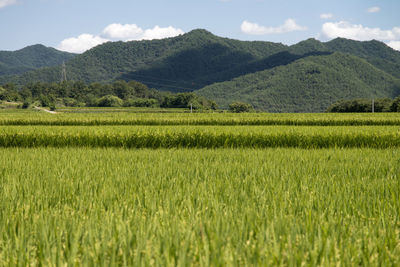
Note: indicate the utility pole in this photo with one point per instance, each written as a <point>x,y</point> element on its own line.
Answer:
<point>191,108</point>
<point>63,73</point>
<point>373,105</point>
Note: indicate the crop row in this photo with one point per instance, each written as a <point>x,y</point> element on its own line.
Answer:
<point>200,137</point>
<point>123,118</point>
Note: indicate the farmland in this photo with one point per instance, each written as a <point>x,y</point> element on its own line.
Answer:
<point>114,117</point>
<point>123,188</point>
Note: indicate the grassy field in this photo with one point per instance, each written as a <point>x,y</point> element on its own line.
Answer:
<point>201,136</point>
<point>276,206</point>
<point>124,117</point>
<point>216,193</point>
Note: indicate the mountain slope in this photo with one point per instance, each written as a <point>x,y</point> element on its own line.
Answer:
<point>307,85</point>
<point>169,64</point>
<point>200,59</point>
<point>31,58</point>
<point>375,52</point>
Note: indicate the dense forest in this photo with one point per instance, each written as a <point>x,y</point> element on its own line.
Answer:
<point>310,84</point>
<point>116,94</point>
<point>305,77</point>
<point>30,58</point>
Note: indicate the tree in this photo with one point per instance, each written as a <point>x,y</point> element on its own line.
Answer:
<point>395,107</point>
<point>239,107</point>
<point>110,101</point>
<point>141,90</point>
<point>361,105</point>
<point>122,90</point>
<point>3,93</point>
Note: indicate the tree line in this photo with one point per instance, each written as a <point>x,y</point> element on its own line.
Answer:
<point>116,94</point>
<point>365,105</point>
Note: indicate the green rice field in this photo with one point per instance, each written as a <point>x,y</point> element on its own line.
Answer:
<point>179,189</point>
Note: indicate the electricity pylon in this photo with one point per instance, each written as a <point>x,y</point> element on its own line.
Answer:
<point>63,73</point>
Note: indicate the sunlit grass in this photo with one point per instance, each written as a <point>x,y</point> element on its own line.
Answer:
<point>202,207</point>
<point>24,117</point>
<point>201,136</point>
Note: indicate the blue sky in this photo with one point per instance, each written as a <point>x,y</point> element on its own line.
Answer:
<point>77,25</point>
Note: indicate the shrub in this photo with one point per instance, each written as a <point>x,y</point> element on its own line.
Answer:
<point>110,101</point>
<point>26,104</point>
<point>141,102</point>
<point>239,107</point>
<point>395,107</point>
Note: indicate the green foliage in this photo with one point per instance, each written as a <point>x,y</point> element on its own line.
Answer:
<point>127,116</point>
<point>180,207</point>
<point>31,58</point>
<point>309,84</point>
<point>202,137</point>
<point>71,196</point>
<point>361,105</point>
<point>71,102</point>
<point>305,77</point>
<point>27,103</point>
<point>179,64</point>
<point>110,101</point>
<point>141,102</point>
<point>78,94</point>
<point>187,100</point>
<point>239,107</point>
<point>2,93</point>
<point>46,101</point>
<point>395,107</point>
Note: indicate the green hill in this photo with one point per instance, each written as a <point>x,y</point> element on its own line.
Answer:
<point>310,84</point>
<point>31,58</point>
<point>184,63</point>
<point>200,59</point>
<point>375,52</point>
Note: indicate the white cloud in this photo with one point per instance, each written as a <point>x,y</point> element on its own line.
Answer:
<point>394,44</point>
<point>358,32</point>
<point>81,43</point>
<point>374,9</point>
<point>326,16</point>
<point>361,33</point>
<point>4,3</point>
<point>116,32</point>
<point>124,32</point>
<point>160,33</point>
<point>290,25</point>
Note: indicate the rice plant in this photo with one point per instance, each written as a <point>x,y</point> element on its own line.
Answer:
<point>126,118</point>
<point>107,207</point>
<point>201,136</point>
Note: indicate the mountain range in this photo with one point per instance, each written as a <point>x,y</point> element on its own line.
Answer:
<point>305,77</point>
<point>31,58</point>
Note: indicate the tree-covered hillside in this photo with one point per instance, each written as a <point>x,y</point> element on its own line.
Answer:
<point>31,58</point>
<point>181,63</point>
<point>310,84</point>
<point>375,52</point>
<point>200,59</point>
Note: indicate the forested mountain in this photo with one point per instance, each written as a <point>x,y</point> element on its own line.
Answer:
<point>31,58</point>
<point>182,63</point>
<point>271,76</point>
<point>309,84</point>
<point>375,52</point>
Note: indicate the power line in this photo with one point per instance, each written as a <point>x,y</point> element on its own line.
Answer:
<point>160,79</point>
<point>171,86</point>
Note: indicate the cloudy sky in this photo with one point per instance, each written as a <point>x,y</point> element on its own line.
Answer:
<point>78,25</point>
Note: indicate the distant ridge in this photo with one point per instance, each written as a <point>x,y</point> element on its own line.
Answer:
<point>271,76</point>
<point>31,58</point>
